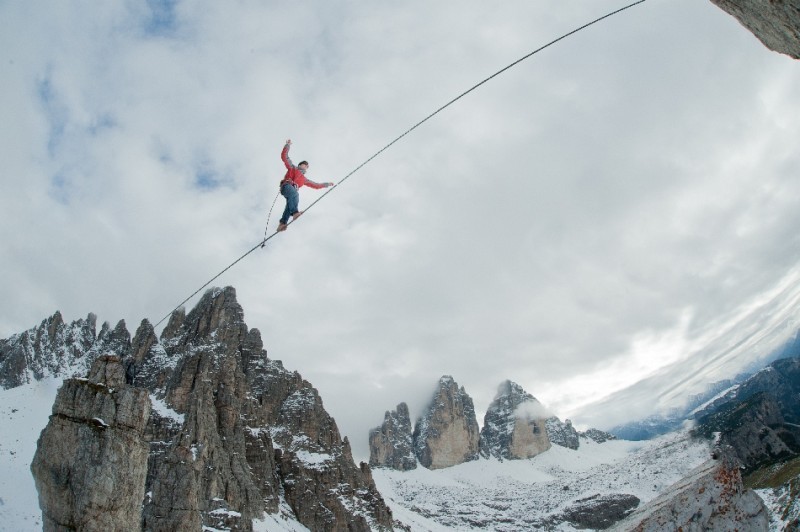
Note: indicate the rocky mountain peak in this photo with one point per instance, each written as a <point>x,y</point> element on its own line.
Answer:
<point>391,445</point>
<point>217,317</point>
<point>515,425</point>
<point>231,435</point>
<point>447,433</point>
<point>56,348</point>
<point>562,433</point>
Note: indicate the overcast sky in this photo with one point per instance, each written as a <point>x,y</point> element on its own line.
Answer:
<point>621,208</point>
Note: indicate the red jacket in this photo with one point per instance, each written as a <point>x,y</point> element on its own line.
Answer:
<point>294,174</point>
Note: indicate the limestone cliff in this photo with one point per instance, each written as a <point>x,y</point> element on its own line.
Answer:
<point>232,434</point>
<point>447,433</point>
<point>712,497</point>
<point>515,425</point>
<point>562,433</point>
<point>57,348</point>
<point>91,459</point>
<point>391,445</point>
<point>776,23</point>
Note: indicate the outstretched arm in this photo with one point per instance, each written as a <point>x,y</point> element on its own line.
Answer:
<point>313,184</point>
<point>285,155</point>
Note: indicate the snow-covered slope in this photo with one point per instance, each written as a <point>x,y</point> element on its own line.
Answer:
<point>529,494</point>
<point>24,412</point>
<point>483,494</point>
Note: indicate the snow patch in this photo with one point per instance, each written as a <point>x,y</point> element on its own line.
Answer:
<point>284,520</point>
<point>24,412</point>
<point>160,407</point>
<point>223,511</point>
<point>522,494</point>
<point>314,460</point>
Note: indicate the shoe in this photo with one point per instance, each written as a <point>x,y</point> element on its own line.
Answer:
<point>297,215</point>
<point>282,227</point>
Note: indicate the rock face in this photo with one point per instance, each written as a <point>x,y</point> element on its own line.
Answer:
<point>598,512</point>
<point>238,431</point>
<point>231,435</point>
<point>776,23</point>
<point>597,436</point>
<point>56,348</point>
<point>514,426</point>
<point>754,429</point>
<point>447,433</point>
<point>91,460</point>
<point>391,445</point>
<point>781,380</point>
<point>759,418</point>
<point>711,498</point>
<point>562,433</point>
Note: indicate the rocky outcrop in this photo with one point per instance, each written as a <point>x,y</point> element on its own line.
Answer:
<point>391,445</point>
<point>754,429</point>
<point>599,512</point>
<point>562,433</point>
<point>776,23</point>
<point>91,459</point>
<point>781,380</point>
<point>597,436</point>
<point>515,425</point>
<point>447,433</point>
<point>712,497</point>
<point>55,348</point>
<point>238,433</point>
<point>231,434</point>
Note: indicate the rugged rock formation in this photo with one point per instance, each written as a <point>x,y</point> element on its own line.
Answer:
<point>447,433</point>
<point>55,348</point>
<point>514,426</point>
<point>391,445</point>
<point>91,460</point>
<point>231,434</point>
<point>599,512</point>
<point>776,23</point>
<point>597,436</point>
<point>562,433</point>
<point>238,430</point>
<point>711,498</point>
<point>781,380</point>
<point>754,428</point>
<point>779,486</point>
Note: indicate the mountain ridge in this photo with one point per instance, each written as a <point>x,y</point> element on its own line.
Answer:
<point>224,414</point>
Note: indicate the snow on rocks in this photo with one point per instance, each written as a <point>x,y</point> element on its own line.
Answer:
<point>535,493</point>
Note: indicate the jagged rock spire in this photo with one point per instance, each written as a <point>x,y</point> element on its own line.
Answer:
<point>562,433</point>
<point>447,433</point>
<point>231,434</point>
<point>55,348</point>
<point>91,459</point>
<point>391,445</point>
<point>515,425</point>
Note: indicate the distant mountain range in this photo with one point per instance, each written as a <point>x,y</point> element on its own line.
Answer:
<point>658,424</point>
<point>198,429</point>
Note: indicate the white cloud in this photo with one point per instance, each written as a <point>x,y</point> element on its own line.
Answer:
<point>545,228</point>
<point>532,410</point>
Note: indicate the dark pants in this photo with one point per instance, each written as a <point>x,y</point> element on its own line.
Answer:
<point>292,201</point>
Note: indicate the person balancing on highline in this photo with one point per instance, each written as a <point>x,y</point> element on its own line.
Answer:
<point>294,179</point>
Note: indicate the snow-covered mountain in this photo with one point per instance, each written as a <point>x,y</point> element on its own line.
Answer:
<point>247,442</point>
<point>212,433</point>
<point>553,489</point>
